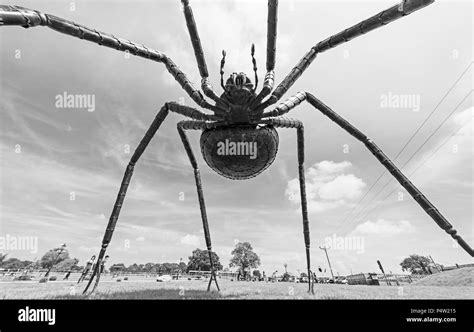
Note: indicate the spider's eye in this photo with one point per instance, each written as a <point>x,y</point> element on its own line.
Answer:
<point>239,81</point>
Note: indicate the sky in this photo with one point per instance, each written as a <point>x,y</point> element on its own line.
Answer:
<point>60,168</point>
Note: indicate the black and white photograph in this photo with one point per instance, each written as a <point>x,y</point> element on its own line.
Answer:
<point>185,157</point>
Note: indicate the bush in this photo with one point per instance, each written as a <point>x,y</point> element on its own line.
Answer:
<point>23,278</point>
<point>54,278</point>
<point>43,280</point>
<point>119,280</point>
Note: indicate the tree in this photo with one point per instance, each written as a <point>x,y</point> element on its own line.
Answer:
<point>285,277</point>
<point>14,264</point>
<point>156,268</point>
<point>182,267</point>
<point>66,265</point>
<point>148,267</point>
<point>133,268</point>
<point>2,258</point>
<point>257,274</point>
<point>417,264</point>
<point>52,258</point>
<point>117,268</point>
<point>244,258</point>
<point>285,265</point>
<point>169,268</point>
<point>199,260</point>
<point>303,275</point>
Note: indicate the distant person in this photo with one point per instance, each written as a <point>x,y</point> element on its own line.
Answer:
<point>68,273</point>
<point>102,264</point>
<point>264,277</point>
<point>87,268</point>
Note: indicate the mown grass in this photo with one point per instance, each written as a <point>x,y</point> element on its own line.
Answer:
<point>147,294</point>
<point>453,278</point>
<point>196,289</point>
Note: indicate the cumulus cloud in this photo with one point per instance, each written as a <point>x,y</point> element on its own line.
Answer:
<point>190,240</point>
<point>384,227</point>
<point>327,186</point>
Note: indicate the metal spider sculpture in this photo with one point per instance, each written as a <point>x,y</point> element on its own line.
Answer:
<point>238,114</point>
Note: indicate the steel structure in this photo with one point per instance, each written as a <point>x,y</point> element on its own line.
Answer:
<point>239,114</point>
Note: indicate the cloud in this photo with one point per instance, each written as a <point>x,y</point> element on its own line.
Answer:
<point>343,186</point>
<point>384,227</point>
<point>190,240</point>
<point>327,187</point>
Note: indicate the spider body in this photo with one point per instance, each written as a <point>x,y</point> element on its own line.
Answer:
<point>239,94</point>
<point>239,152</point>
<point>238,139</point>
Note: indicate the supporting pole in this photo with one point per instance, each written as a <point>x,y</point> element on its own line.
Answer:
<point>330,268</point>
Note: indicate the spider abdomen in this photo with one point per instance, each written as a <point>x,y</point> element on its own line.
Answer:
<point>239,153</point>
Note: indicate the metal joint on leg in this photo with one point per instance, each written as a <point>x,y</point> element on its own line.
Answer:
<point>202,204</point>
<point>150,133</point>
<point>417,195</point>
<point>290,123</point>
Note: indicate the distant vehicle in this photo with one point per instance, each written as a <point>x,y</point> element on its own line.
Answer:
<point>341,280</point>
<point>164,278</point>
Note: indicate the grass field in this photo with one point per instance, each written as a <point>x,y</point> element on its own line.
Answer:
<point>459,277</point>
<point>196,289</point>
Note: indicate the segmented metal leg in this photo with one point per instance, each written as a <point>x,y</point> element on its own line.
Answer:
<point>417,195</point>
<point>291,123</point>
<point>15,15</point>
<point>123,189</point>
<point>404,8</point>
<point>269,81</point>
<point>97,280</point>
<point>198,52</point>
<point>199,125</point>
<point>173,107</point>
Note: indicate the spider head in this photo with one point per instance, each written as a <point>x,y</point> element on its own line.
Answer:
<point>239,89</point>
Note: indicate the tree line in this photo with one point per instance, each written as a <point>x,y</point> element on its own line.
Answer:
<point>243,258</point>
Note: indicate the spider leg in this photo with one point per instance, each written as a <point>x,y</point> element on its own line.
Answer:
<point>417,195</point>
<point>182,126</point>
<point>198,52</point>
<point>269,80</point>
<point>387,16</point>
<point>15,15</point>
<point>291,123</point>
<point>155,125</point>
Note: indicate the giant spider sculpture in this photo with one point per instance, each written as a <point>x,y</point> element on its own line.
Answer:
<point>238,115</point>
